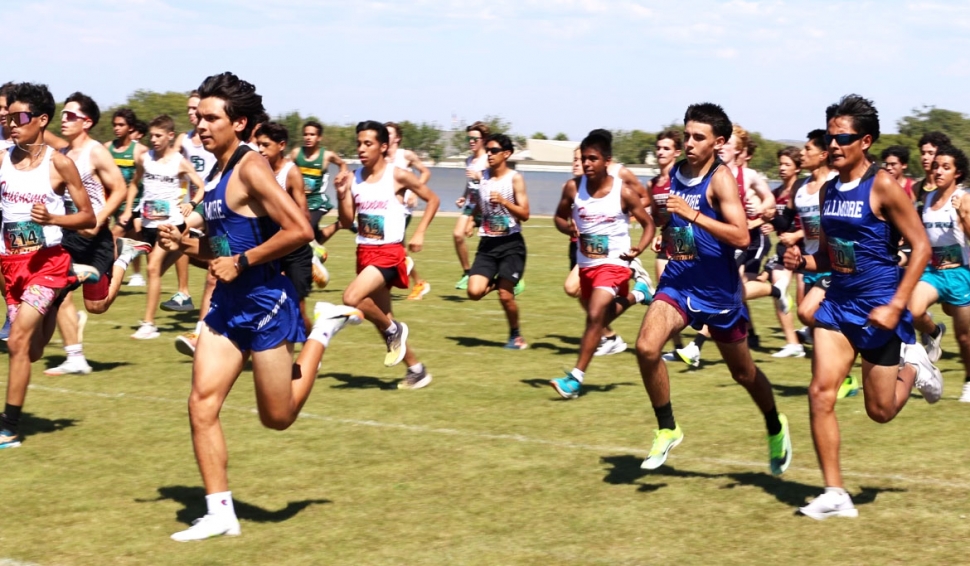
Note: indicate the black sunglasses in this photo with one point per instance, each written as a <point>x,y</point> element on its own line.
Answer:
<point>494,150</point>
<point>842,139</point>
<point>20,118</point>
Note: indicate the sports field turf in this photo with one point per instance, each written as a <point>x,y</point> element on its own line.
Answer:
<point>485,466</point>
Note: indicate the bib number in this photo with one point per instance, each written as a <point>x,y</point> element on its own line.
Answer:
<point>595,246</point>
<point>370,226</point>
<point>311,184</point>
<point>497,226</point>
<point>23,237</point>
<point>679,243</point>
<point>947,256</point>
<point>220,246</point>
<point>156,210</point>
<point>842,255</point>
<point>812,227</point>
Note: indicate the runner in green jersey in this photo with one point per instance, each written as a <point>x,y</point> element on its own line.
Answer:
<point>125,150</point>
<point>313,161</point>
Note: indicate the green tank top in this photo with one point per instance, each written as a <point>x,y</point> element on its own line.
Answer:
<point>313,176</point>
<point>125,160</point>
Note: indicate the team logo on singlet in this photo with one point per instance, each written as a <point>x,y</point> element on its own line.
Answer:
<point>198,163</point>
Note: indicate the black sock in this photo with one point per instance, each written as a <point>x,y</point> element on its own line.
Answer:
<point>467,271</point>
<point>936,332</point>
<point>10,419</point>
<point>966,379</point>
<point>514,333</point>
<point>699,340</point>
<point>772,422</point>
<point>665,417</point>
<point>775,292</point>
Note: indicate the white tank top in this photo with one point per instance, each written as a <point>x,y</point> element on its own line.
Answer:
<point>604,229</point>
<point>163,192</point>
<point>284,171</point>
<point>401,162</point>
<point>89,179</point>
<point>380,214</point>
<point>198,156</point>
<point>496,219</point>
<point>19,190</point>
<point>471,186</point>
<point>943,228</point>
<point>806,205</point>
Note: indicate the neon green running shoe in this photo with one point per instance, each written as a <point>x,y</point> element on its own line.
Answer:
<point>664,440</point>
<point>462,283</point>
<point>519,287</point>
<point>779,448</point>
<point>849,388</point>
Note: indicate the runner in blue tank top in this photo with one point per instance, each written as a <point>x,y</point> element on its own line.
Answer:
<point>250,224</point>
<point>863,213</point>
<point>704,224</point>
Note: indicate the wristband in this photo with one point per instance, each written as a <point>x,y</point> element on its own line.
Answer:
<point>243,262</point>
<point>696,216</point>
<point>801,264</point>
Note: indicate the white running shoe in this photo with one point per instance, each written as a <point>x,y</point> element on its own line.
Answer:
<point>830,504</point>
<point>669,357</point>
<point>610,346</point>
<point>329,318</point>
<point>784,304</point>
<point>86,273</point>
<point>409,264</point>
<point>136,280</point>
<point>929,380</point>
<point>70,367</point>
<point>690,355</point>
<point>641,274</point>
<point>147,331</point>
<point>209,526</point>
<point>932,345</point>
<point>790,351</point>
<point>965,397</point>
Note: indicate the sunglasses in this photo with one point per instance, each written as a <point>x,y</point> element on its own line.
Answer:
<point>19,118</point>
<point>842,139</point>
<point>474,139</point>
<point>493,150</point>
<point>69,116</point>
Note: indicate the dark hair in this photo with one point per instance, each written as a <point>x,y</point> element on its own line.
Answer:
<point>865,117</point>
<point>936,139</point>
<point>502,140</point>
<point>35,96</point>
<point>126,114</point>
<point>313,124</point>
<point>239,96</point>
<point>600,140</point>
<point>397,128</point>
<point>140,126</point>
<point>959,159</point>
<point>751,147</point>
<point>817,138</point>
<point>87,105</point>
<point>900,152</point>
<point>674,136</point>
<point>480,127</point>
<point>275,131</point>
<point>793,153</point>
<point>712,115</point>
<point>374,126</point>
<point>164,122</point>
<point>5,88</point>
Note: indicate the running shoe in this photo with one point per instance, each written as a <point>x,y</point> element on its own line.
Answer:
<point>670,357</point>
<point>779,448</point>
<point>76,366</point>
<point>5,331</point>
<point>321,277</point>
<point>690,355</point>
<point>396,345</point>
<point>664,440</point>
<point>790,351</point>
<point>568,387</point>
<point>185,343</point>
<point>640,274</point>
<point>830,504</point>
<point>8,439</point>
<point>330,318</point>
<point>132,247</point>
<point>86,273</point>
<point>932,345</point>
<point>408,264</point>
<point>644,290</point>
<point>519,287</point>
<point>929,380</point>
<point>965,397</point>
<point>804,335</point>
<point>319,252</point>
<point>147,331</point>
<point>136,280</point>
<point>421,288</point>
<point>849,388</point>
<point>516,343</point>
<point>784,304</point>
<point>415,379</point>
<point>609,346</point>
<point>209,526</point>
<point>462,283</point>
<point>180,302</point>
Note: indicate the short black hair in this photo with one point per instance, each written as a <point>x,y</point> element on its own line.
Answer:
<point>817,138</point>
<point>712,115</point>
<point>601,140</point>
<point>36,96</point>
<point>126,114</point>
<point>314,124</point>
<point>900,152</point>
<point>502,140</point>
<point>673,135</point>
<point>140,126</point>
<point>239,96</point>
<point>865,117</point>
<point>936,139</point>
<point>959,159</point>
<point>87,105</point>
<point>374,126</point>
<point>5,87</point>
<point>275,131</point>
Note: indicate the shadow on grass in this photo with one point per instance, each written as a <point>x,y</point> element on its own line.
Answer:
<point>790,390</point>
<point>349,381</point>
<point>473,342</point>
<point>587,387</point>
<point>454,298</point>
<point>574,340</point>
<point>193,501</point>
<point>55,361</point>
<point>626,470</point>
<point>560,350</point>
<point>31,424</point>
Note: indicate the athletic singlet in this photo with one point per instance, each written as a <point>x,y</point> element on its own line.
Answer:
<point>908,187</point>
<point>198,156</point>
<point>230,233</point>
<point>660,193</point>
<point>89,180</point>
<point>163,193</point>
<point>862,248</point>
<point>604,229</point>
<point>945,232</point>
<point>315,178</point>
<point>806,207</point>
<point>471,186</point>
<point>380,214</point>
<point>19,190</point>
<point>125,160</point>
<point>745,199</point>
<point>496,219</point>
<point>284,171</point>
<point>401,162</point>
<point>700,264</point>
<point>781,203</point>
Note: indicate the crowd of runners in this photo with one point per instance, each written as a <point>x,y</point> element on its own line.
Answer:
<point>867,249</point>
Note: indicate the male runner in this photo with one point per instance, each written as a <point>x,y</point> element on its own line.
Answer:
<point>474,165</point>
<point>928,144</point>
<point>33,180</point>
<point>864,311</point>
<point>596,209</point>
<point>500,259</point>
<point>895,160</point>
<point>702,285</point>
<point>250,223</point>
<point>125,150</point>
<point>313,161</point>
<point>374,194</point>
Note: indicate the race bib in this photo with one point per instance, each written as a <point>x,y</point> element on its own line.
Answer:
<point>370,226</point>
<point>311,184</point>
<point>23,237</point>
<point>156,210</point>
<point>947,256</point>
<point>679,242</point>
<point>812,226</point>
<point>595,246</point>
<point>497,226</point>
<point>220,246</point>
<point>842,255</point>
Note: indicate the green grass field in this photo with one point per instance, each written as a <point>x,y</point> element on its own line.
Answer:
<point>485,466</point>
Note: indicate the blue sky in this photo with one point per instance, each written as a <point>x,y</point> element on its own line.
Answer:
<point>551,65</point>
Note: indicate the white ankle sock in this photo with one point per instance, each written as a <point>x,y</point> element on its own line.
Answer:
<point>74,352</point>
<point>220,504</point>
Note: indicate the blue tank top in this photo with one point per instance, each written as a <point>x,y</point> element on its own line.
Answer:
<point>861,247</point>
<point>230,233</point>
<point>699,263</point>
